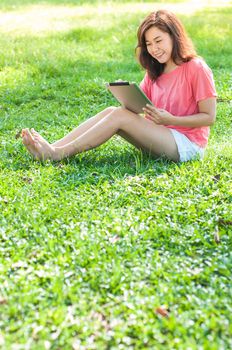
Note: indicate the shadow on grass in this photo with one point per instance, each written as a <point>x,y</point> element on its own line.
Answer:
<point>110,161</point>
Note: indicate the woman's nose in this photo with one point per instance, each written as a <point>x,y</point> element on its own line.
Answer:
<point>154,48</point>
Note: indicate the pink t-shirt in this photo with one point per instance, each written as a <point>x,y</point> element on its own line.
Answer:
<point>179,92</point>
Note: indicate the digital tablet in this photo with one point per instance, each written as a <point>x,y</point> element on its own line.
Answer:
<point>129,95</point>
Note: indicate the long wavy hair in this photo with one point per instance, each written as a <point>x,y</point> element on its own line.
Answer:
<point>183,49</point>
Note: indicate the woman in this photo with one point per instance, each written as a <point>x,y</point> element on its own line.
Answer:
<point>179,84</point>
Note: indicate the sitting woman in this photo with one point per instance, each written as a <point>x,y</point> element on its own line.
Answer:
<point>181,88</point>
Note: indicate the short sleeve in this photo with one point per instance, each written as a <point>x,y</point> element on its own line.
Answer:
<point>145,85</point>
<point>202,81</point>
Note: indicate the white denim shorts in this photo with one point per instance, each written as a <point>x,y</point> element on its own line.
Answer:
<point>187,149</point>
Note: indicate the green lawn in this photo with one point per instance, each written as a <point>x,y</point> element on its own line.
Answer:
<point>93,245</point>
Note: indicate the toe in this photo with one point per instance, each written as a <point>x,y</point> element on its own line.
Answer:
<point>30,137</point>
<point>37,137</point>
<point>34,132</point>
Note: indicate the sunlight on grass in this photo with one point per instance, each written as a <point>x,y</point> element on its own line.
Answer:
<point>40,19</point>
<point>11,76</point>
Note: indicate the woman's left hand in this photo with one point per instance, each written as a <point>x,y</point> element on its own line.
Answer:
<point>158,116</point>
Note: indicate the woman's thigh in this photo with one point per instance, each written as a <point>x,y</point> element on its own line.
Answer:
<point>146,135</point>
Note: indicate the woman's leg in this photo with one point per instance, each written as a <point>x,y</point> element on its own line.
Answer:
<point>29,136</point>
<point>156,139</point>
<point>82,128</point>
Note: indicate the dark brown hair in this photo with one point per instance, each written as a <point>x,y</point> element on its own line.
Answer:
<point>183,49</point>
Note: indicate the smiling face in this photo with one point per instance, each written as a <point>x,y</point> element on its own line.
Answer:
<point>159,45</point>
<point>163,43</point>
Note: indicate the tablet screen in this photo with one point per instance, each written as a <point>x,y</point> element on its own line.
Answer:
<point>129,95</point>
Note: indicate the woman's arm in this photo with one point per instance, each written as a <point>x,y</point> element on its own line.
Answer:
<point>205,117</point>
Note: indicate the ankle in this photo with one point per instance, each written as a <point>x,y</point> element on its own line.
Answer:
<point>56,153</point>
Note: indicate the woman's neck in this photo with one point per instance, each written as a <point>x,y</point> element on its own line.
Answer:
<point>169,67</point>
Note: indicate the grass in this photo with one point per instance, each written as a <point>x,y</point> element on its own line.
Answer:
<point>91,246</point>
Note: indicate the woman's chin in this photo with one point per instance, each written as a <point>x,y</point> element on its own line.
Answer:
<point>161,59</point>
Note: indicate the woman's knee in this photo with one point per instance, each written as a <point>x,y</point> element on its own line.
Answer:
<point>115,112</point>
<point>121,116</point>
<point>110,109</point>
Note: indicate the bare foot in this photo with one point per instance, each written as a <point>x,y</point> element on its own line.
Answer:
<point>37,136</point>
<point>45,150</point>
<point>37,145</point>
<point>29,143</point>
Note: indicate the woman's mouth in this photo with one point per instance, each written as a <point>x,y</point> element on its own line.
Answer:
<point>159,56</point>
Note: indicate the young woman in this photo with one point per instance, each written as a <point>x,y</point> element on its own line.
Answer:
<point>179,84</point>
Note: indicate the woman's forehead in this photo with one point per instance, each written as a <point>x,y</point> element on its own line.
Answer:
<point>153,32</point>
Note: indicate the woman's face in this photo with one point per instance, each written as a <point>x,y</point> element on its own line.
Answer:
<point>159,45</point>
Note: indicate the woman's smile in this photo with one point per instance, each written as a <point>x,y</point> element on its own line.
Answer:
<point>159,55</point>
<point>159,44</point>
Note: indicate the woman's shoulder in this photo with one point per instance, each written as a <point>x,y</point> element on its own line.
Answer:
<point>196,64</point>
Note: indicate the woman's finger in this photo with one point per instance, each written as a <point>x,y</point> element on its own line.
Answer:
<point>153,115</point>
<point>146,110</point>
<point>151,107</point>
